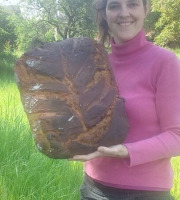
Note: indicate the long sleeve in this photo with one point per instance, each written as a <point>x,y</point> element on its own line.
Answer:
<point>148,78</point>
<point>167,100</point>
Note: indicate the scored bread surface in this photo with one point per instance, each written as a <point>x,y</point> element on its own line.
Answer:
<point>70,97</point>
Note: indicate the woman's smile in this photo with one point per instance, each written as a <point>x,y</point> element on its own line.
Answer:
<point>124,23</point>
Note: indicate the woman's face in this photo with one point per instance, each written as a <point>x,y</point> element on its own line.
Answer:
<point>125,18</point>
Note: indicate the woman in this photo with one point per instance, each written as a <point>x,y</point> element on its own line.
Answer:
<point>148,77</point>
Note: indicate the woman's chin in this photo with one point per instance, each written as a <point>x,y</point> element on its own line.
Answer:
<point>124,36</point>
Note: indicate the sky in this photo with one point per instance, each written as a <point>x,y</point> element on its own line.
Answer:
<point>9,2</point>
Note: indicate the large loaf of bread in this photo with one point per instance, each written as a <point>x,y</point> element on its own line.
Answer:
<point>71,98</point>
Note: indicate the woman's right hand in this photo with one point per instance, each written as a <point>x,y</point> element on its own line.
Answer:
<point>118,151</point>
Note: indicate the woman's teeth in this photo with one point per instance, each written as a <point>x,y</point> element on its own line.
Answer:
<point>124,23</point>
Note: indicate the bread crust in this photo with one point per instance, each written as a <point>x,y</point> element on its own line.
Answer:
<point>70,97</point>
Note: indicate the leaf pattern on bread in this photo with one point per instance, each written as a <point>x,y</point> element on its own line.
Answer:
<point>71,99</point>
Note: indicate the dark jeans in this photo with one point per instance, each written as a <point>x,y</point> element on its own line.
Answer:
<point>91,190</point>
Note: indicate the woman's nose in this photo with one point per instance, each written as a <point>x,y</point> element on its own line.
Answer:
<point>124,11</point>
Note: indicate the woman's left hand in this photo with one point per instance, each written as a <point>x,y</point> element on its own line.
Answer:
<point>119,151</point>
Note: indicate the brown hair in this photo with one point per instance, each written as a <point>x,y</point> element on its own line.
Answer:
<point>103,29</point>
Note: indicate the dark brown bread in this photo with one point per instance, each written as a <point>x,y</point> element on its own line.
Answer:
<point>70,97</point>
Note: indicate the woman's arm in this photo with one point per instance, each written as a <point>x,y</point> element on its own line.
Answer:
<point>167,143</point>
<point>167,100</point>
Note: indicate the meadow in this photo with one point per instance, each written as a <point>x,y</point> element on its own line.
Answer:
<point>25,173</point>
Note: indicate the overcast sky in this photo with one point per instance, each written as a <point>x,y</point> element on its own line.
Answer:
<point>9,2</point>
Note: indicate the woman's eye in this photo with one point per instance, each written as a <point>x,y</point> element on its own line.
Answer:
<point>112,7</point>
<point>131,5</point>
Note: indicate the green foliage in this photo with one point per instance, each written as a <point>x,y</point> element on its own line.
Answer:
<point>176,168</point>
<point>7,36</point>
<point>42,21</point>
<point>168,25</point>
<point>67,18</point>
<point>150,23</point>
<point>31,33</point>
<point>6,28</point>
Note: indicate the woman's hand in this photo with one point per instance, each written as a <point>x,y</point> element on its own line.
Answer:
<point>119,151</point>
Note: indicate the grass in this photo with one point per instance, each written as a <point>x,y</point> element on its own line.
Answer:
<point>176,188</point>
<point>25,173</point>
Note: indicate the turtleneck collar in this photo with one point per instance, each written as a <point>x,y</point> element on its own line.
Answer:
<point>132,46</point>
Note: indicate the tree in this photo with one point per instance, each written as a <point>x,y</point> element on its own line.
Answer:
<point>30,33</point>
<point>150,24</point>
<point>68,18</point>
<point>168,25</point>
<point>7,36</point>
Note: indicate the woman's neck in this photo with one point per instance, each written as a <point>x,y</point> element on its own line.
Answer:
<point>133,45</point>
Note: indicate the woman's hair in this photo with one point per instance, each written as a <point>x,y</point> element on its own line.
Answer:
<point>103,29</point>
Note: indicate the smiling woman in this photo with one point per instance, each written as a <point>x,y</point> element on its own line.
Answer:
<point>148,78</point>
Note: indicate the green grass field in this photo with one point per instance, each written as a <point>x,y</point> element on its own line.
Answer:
<point>25,173</point>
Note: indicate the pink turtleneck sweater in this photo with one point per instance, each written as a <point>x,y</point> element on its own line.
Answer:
<point>148,78</point>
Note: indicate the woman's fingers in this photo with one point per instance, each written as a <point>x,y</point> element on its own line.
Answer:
<point>114,151</point>
<point>87,157</point>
